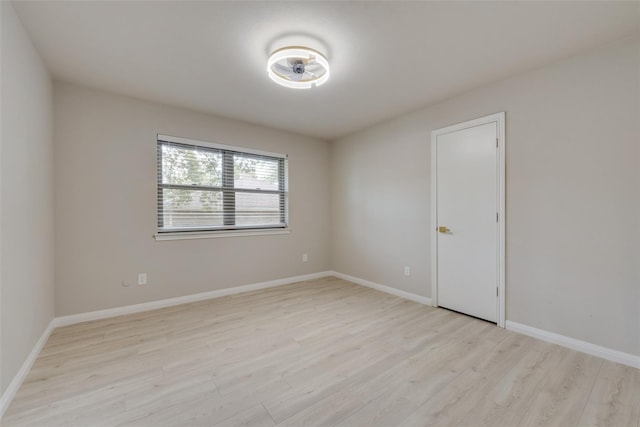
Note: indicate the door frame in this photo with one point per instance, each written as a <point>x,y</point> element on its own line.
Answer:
<point>499,119</point>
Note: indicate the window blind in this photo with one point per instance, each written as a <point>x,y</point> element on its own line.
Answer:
<point>204,186</point>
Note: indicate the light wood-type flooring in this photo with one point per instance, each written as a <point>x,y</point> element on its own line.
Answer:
<point>317,353</point>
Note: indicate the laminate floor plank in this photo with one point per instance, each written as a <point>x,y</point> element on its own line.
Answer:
<point>254,417</point>
<point>562,396</point>
<point>318,353</point>
<point>298,398</point>
<point>615,398</point>
<point>450,405</point>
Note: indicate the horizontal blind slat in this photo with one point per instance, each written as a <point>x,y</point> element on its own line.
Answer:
<point>195,191</point>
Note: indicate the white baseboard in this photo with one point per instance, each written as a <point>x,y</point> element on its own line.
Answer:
<point>153,305</point>
<point>383,288</point>
<point>574,344</point>
<point>18,379</point>
<point>10,393</point>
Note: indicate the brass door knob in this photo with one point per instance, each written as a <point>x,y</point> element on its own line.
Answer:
<point>443,229</point>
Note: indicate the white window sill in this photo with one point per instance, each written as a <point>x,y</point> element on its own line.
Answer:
<point>188,235</point>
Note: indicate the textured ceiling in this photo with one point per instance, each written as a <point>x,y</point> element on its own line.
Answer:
<point>387,58</point>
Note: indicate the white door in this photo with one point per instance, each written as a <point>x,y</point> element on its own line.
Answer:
<point>467,206</point>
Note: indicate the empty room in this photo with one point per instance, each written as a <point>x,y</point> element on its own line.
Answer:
<point>320,213</point>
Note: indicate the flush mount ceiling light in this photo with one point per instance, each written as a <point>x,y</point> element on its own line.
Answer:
<point>298,67</point>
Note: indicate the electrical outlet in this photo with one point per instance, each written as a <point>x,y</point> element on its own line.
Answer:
<point>407,271</point>
<point>305,257</point>
<point>142,278</point>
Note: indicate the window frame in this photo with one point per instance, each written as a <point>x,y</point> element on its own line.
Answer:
<point>229,228</point>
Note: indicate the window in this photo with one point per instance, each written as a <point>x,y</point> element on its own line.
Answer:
<point>210,187</point>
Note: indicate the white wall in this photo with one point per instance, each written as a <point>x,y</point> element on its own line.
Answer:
<point>573,195</point>
<point>26,202</point>
<point>105,181</point>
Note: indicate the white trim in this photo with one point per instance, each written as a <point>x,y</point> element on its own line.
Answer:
<point>502,212</point>
<point>572,343</point>
<point>137,308</point>
<point>499,119</point>
<point>575,344</point>
<point>188,141</point>
<point>434,221</point>
<point>18,379</point>
<point>187,235</point>
<point>383,288</point>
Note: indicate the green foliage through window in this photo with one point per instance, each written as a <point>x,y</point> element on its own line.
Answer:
<point>214,188</point>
